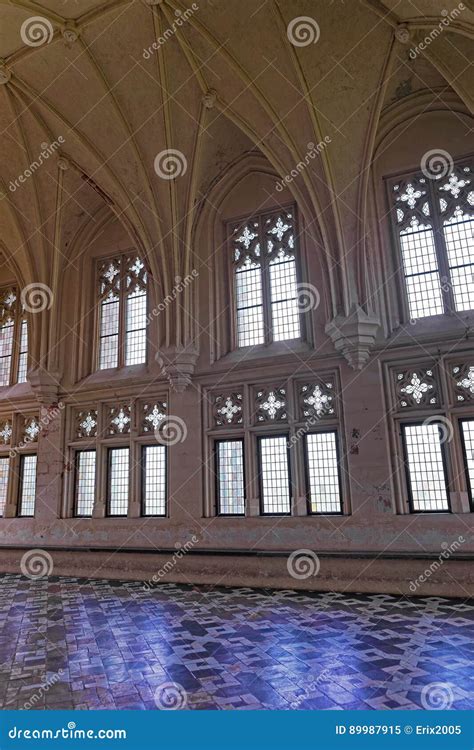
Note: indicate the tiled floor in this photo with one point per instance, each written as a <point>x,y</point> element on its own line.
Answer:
<point>72,643</point>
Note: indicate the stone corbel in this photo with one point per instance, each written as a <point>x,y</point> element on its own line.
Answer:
<point>354,335</point>
<point>178,363</point>
<point>45,385</point>
<point>5,73</point>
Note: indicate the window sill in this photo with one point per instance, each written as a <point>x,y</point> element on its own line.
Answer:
<point>17,391</point>
<point>102,377</point>
<point>266,351</point>
<point>434,327</point>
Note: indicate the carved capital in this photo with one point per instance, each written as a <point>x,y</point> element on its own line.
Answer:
<point>178,363</point>
<point>45,385</point>
<point>354,335</point>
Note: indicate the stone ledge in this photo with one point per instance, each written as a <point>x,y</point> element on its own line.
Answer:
<point>452,579</point>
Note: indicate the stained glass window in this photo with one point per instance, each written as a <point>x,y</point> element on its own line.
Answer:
<point>265,279</point>
<point>154,480</point>
<point>27,485</point>
<point>123,311</point>
<point>85,483</point>
<point>425,467</point>
<point>467,434</point>
<point>4,474</point>
<point>13,338</point>
<point>118,482</point>
<point>433,218</point>
<point>230,477</point>
<point>322,467</point>
<point>274,473</point>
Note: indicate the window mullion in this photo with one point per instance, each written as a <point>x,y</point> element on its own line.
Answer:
<point>441,252</point>
<point>122,312</point>
<point>266,293</point>
<point>16,343</point>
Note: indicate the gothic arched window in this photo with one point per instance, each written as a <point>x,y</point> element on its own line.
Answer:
<point>265,278</point>
<point>122,286</point>
<point>433,220</point>
<point>13,338</point>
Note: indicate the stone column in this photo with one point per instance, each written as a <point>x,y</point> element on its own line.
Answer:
<point>50,446</point>
<point>51,463</point>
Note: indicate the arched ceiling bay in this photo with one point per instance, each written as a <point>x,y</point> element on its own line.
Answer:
<point>115,84</point>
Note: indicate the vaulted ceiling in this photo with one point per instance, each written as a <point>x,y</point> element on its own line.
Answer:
<point>115,83</point>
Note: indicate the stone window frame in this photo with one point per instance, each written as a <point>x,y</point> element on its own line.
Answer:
<point>436,220</point>
<point>266,303</point>
<point>135,439</point>
<point>295,427</point>
<point>19,320</point>
<point>14,450</point>
<point>98,261</point>
<point>470,484</point>
<point>448,411</point>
